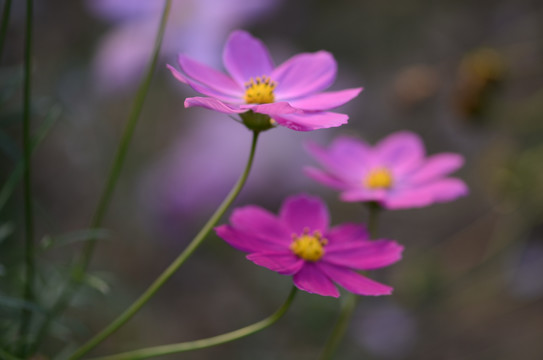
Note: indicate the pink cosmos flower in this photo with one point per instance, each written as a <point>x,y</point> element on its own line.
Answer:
<point>300,242</point>
<point>291,94</point>
<point>394,173</point>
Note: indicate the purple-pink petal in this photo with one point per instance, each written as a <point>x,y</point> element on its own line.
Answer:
<point>203,89</point>
<point>210,77</point>
<point>213,104</point>
<point>363,255</point>
<point>304,212</point>
<point>246,57</point>
<point>354,282</point>
<point>438,191</point>
<point>247,242</point>
<point>436,166</point>
<point>285,263</point>
<point>261,223</point>
<point>325,100</point>
<point>347,232</point>
<point>325,178</point>
<point>272,109</point>
<point>311,121</point>
<point>346,158</point>
<point>312,280</point>
<point>304,74</point>
<point>402,151</point>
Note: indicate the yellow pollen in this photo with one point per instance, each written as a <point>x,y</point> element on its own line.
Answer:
<point>259,90</point>
<point>309,247</point>
<point>379,178</point>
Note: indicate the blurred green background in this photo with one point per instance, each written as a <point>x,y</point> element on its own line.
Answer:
<point>465,75</point>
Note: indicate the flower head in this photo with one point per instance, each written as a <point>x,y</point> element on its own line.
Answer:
<point>300,242</point>
<point>394,173</point>
<point>289,94</point>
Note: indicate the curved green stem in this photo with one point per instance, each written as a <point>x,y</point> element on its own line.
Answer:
<point>170,270</point>
<point>4,25</point>
<point>351,300</point>
<point>205,343</point>
<point>26,316</point>
<point>81,266</point>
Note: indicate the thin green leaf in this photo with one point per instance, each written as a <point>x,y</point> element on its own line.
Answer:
<point>49,242</point>
<point>97,283</point>
<point>17,303</point>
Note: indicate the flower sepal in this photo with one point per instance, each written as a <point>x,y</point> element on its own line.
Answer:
<point>256,121</point>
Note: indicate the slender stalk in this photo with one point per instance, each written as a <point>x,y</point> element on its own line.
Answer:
<point>170,270</point>
<point>4,26</point>
<point>26,316</point>
<point>204,343</point>
<point>81,266</point>
<point>373,219</point>
<point>351,300</point>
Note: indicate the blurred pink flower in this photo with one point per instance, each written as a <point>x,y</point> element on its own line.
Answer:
<point>300,242</point>
<point>291,94</point>
<point>394,173</point>
<point>197,27</point>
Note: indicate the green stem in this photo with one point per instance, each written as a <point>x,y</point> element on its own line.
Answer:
<point>205,343</point>
<point>103,204</point>
<point>351,300</point>
<point>26,316</point>
<point>170,270</point>
<point>4,26</point>
<point>373,219</point>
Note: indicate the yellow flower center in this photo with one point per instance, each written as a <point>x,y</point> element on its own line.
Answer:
<point>308,247</point>
<point>379,178</point>
<point>259,90</point>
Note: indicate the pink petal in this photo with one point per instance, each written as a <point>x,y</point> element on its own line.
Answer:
<point>246,57</point>
<point>285,263</point>
<point>213,104</point>
<point>363,255</point>
<point>436,166</point>
<point>346,233</point>
<point>353,281</point>
<point>304,74</point>
<point>247,242</point>
<point>402,151</point>
<point>261,223</point>
<point>311,121</point>
<point>326,178</point>
<point>346,158</point>
<point>304,212</point>
<point>325,100</point>
<point>439,191</point>
<point>312,280</point>
<point>272,109</point>
<point>210,77</point>
<point>203,89</point>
